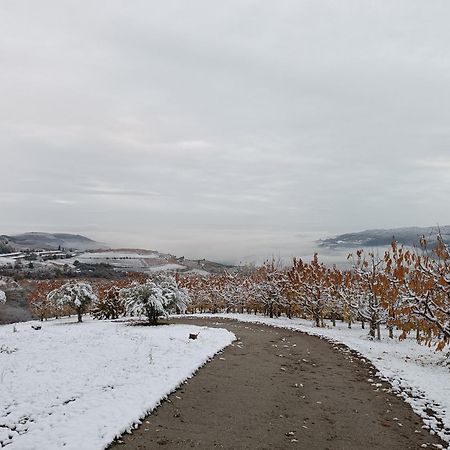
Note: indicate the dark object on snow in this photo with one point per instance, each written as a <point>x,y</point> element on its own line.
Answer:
<point>193,336</point>
<point>36,327</point>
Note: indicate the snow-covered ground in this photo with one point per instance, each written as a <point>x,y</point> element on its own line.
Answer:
<point>121,259</point>
<point>78,386</point>
<point>125,260</point>
<point>5,260</point>
<point>107,255</point>
<point>418,373</point>
<point>166,267</point>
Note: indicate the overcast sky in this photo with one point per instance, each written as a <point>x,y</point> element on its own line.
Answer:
<point>226,129</point>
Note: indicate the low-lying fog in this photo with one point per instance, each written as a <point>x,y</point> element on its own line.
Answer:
<point>235,247</point>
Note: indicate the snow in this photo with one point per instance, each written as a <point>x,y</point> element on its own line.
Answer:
<point>4,261</point>
<point>153,299</point>
<point>141,261</point>
<point>107,255</point>
<point>417,373</point>
<point>166,267</point>
<point>78,386</point>
<point>74,294</point>
<point>2,297</point>
<point>203,273</point>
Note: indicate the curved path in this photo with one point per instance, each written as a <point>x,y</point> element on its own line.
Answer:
<point>280,389</point>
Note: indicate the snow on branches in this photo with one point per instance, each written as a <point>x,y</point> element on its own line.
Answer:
<point>422,279</point>
<point>75,295</point>
<point>108,304</point>
<point>310,284</point>
<point>268,284</point>
<point>406,289</point>
<point>154,298</point>
<point>371,287</point>
<point>135,295</point>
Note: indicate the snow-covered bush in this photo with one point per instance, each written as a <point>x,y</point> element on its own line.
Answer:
<point>76,295</point>
<point>109,305</point>
<point>154,298</point>
<point>178,296</point>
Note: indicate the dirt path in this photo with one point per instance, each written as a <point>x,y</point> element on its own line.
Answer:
<point>280,389</point>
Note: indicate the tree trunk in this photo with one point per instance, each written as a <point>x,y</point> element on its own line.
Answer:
<point>391,332</point>
<point>154,319</point>
<point>152,315</point>
<point>79,315</point>
<point>372,330</point>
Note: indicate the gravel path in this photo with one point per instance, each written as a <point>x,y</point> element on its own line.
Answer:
<point>281,389</point>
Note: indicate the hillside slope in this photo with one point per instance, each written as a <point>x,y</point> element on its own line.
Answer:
<point>383,237</point>
<point>47,241</point>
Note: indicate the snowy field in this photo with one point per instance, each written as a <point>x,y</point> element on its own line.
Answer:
<point>417,373</point>
<point>140,261</point>
<point>78,386</point>
<point>4,260</point>
<point>166,267</point>
<point>105,256</point>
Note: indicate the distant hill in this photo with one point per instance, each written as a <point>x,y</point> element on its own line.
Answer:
<point>92,253</point>
<point>383,237</point>
<point>47,241</point>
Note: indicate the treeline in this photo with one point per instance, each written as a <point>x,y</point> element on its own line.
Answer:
<point>407,290</point>
<point>30,270</point>
<point>151,297</point>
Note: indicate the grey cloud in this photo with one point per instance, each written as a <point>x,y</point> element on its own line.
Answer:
<point>221,128</point>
